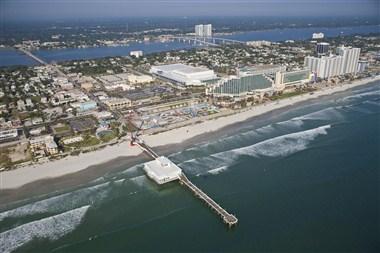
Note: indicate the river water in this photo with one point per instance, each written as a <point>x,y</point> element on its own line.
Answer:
<point>10,57</point>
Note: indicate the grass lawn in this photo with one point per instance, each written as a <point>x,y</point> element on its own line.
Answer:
<point>108,136</point>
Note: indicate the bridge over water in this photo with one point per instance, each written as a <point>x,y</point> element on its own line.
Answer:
<point>212,41</point>
<point>39,60</point>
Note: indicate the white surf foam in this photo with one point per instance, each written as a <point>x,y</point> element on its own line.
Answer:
<point>281,145</point>
<point>140,181</point>
<point>330,113</point>
<point>277,146</point>
<point>218,170</point>
<point>361,95</point>
<point>294,122</point>
<point>51,228</point>
<point>372,102</point>
<point>61,202</point>
<point>265,129</point>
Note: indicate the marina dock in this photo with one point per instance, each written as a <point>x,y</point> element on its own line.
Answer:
<point>162,170</point>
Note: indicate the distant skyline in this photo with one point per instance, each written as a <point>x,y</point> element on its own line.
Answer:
<point>13,10</point>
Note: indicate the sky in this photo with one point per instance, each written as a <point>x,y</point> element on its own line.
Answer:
<point>75,9</point>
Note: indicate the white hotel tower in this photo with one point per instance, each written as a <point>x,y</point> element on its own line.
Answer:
<point>203,30</point>
<point>346,62</point>
<point>350,58</point>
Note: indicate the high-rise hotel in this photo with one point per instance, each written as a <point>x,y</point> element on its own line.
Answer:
<point>350,58</point>
<point>346,62</point>
<point>203,30</point>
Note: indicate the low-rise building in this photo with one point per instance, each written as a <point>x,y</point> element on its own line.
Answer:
<point>7,135</point>
<point>318,36</point>
<point>29,102</point>
<point>162,170</point>
<point>86,85</point>
<point>118,103</point>
<point>45,143</point>
<point>118,85</point>
<point>258,43</point>
<point>292,78</point>
<point>37,131</point>
<point>66,97</point>
<point>21,105</point>
<point>63,83</point>
<point>137,53</point>
<point>184,74</point>
<point>85,106</point>
<point>37,120</point>
<point>103,115</point>
<point>136,79</point>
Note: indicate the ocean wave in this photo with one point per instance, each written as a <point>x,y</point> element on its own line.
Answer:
<point>373,102</point>
<point>281,145</point>
<point>132,171</point>
<point>231,140</point>
<point>51,228</point>
<point>294,122</point>
<point>61,202</point>
<point>217,170</point>
<point>360,109</point>
<point>277,146</point>
<point>265,129</point>
<point>140,180</point>
<point>330,113</point>
<point>200,166</point>
<point>360,95</point>
<point>213,146</point>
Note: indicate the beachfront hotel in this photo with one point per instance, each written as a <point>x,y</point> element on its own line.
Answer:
<point>258,80</point>
<point>345,62</point>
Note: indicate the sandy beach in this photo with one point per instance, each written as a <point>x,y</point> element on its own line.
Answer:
<point>25,175</point>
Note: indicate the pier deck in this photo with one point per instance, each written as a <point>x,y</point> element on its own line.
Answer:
<point>227,218</point>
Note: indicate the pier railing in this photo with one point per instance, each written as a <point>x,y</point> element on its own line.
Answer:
<point>227,218</point>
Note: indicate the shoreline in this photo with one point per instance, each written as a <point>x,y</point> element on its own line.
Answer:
<point>86,163</point>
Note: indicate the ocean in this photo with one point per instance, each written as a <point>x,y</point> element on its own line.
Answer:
<point>300,179</point>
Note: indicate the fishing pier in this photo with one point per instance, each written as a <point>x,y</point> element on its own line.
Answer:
<point>162,170</point>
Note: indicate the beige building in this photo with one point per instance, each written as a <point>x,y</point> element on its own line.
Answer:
<point>43,143</point>
<point>86,85</point>
<point>135,79</point>
<point>118,103</point>
<point>291,78</point>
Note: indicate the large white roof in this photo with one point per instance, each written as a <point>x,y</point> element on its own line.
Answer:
<point>162,167</point>
<point>187,69</point>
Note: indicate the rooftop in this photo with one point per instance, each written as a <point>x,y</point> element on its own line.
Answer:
<point>162,170</point>
<point>187,69</point>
